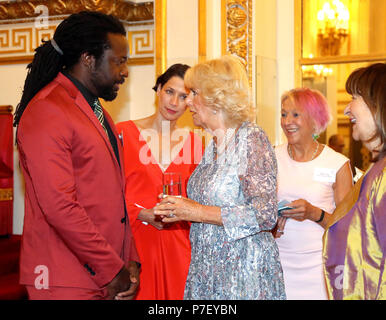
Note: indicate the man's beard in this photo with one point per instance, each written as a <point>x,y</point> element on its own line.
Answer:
<point>107,93</point>
<point>104,91</point>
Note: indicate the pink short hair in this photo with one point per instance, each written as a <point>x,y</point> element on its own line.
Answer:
<point>314,103</point>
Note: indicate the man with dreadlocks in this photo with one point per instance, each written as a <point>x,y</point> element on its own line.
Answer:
<point>77,242</point>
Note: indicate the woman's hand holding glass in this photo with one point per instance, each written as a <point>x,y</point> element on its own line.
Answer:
<point>172,209</point>
<point>171,186</point>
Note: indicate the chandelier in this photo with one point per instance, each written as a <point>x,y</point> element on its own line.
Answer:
<point>332,27</point>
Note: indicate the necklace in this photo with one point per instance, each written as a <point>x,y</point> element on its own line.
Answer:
<point>313,155</point>
<point>219,149</point>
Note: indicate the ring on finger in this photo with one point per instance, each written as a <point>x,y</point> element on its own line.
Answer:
<point>171,215</point>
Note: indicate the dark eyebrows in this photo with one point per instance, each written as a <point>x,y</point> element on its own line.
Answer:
<point>175,90</point>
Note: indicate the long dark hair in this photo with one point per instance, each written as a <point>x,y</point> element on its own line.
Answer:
<point>370,84</point>
<point>177,69</point>
<point>81,32</point>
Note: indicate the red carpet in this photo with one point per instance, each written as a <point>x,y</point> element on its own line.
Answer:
<point>10,289</point>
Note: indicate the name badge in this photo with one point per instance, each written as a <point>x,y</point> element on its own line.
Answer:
<point>324,175</point>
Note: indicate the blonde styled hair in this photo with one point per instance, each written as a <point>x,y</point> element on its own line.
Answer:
<point>223,85</point>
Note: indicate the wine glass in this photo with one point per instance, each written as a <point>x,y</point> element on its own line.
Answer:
<point>171,184</point>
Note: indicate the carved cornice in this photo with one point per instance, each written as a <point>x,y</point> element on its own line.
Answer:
<point>23,24</point>
<point>126,11</point>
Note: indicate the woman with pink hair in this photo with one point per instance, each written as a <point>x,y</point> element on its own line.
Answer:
<point>312,180</point>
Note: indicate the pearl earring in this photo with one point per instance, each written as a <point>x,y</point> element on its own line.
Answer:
<point>214,111</point>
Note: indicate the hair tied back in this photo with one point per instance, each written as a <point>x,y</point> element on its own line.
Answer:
<point>56,47</point>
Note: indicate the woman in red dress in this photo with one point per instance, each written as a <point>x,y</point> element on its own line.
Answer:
<point>153,146</point>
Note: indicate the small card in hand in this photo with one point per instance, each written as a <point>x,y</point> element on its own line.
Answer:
<point>283,205</point>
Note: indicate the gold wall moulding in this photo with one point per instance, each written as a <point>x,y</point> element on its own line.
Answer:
<point>237,31</point>
<point>127,11</point>
<point>160,24</point>
<point>6,109</point>
<point>344,59</point>
<point>6,194</point>
<point>140,61</point>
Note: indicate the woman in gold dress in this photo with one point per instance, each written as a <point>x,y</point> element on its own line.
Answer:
<point>355,243</point>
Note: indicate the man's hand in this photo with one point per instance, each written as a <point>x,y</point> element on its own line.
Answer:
<point>120,283</point>
<point>134,283</point>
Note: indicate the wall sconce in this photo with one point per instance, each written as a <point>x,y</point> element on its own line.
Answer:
<point>332,27</point>
<point>316,70</point>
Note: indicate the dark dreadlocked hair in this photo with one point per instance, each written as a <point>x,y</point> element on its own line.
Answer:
<point>81,32</point>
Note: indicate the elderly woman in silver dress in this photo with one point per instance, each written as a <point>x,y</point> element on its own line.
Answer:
<point>232,193</point>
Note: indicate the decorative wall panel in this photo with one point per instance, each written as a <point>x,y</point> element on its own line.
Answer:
<point>141,42</point>
<point>237,31</point>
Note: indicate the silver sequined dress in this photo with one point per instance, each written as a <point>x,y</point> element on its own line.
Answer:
<point>239,260</point>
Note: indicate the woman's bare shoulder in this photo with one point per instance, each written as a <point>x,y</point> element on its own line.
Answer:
<point>144,123</point>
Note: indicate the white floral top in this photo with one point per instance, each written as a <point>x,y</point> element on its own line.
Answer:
<point>239,260</point>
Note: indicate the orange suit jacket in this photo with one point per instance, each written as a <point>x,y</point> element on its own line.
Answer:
<point>74,225</point>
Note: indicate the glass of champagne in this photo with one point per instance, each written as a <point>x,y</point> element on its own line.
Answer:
<point>171,184</point>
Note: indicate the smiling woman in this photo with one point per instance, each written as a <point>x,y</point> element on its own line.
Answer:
<point>360,111</point>
<point>313,178</point>
<point>356,238</point>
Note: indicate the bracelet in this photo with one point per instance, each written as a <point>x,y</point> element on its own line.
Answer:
<point>321,217</point>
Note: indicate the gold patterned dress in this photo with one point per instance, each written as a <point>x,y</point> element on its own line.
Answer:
<point>355,243</point>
